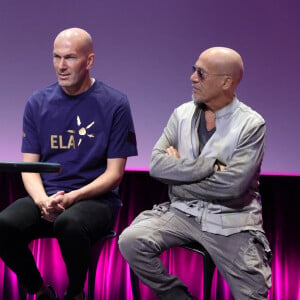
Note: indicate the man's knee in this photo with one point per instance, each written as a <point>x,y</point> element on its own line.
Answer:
<point>66,226</point>
<point>127,240</point>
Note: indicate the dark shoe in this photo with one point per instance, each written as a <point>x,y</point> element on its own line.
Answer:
<point>176,293</point>
<point>49,296</point>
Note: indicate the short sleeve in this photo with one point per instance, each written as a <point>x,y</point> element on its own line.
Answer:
<point>122,139</point>
<point>30,140</point>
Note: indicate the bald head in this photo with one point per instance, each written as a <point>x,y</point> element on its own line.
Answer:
<point>73,57</point>
<point>216,75</point>
<point>77,36</point>
<point>221,60</point>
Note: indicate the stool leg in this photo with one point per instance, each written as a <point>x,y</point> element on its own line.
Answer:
<point>96,251</point>
<point>134,286</point>
<point>209,268</point>
<point>91,282</point>
<point>22,291</point>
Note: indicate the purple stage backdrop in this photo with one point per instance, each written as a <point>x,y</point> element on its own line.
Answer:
<point>146,49</point>
<point>281,206</point>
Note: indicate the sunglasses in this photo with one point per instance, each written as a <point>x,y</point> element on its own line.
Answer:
<point>202,74</point>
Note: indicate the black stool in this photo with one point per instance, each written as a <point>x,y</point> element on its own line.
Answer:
<point>208,271</point>
<point>96,250</point>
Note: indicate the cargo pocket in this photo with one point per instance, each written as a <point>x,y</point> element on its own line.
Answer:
<point>255,256</point>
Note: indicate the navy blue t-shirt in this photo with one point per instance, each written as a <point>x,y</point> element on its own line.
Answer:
<point>79,132</point>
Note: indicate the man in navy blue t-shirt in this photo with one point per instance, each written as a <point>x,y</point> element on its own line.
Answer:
<point>87,127</point>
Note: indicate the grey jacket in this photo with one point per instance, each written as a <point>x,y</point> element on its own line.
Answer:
<point>222,202</point>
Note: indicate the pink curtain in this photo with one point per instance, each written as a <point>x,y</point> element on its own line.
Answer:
<point>281,206</point>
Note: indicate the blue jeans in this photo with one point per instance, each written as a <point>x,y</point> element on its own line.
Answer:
<point>241,258</point>
<point>76,229</point>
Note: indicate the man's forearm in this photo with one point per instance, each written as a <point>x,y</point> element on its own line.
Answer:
<point>34,186</point>
<point>172,170</point>
<point>101,185</point>
<point>106,182</point>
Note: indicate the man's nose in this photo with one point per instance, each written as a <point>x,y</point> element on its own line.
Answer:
<point>194,77</point>
<point>61,64</point>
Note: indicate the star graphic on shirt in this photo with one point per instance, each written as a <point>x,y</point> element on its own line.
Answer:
<point>82,131</point>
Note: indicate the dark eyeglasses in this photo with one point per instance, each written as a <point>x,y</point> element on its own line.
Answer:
<point>202,74</point>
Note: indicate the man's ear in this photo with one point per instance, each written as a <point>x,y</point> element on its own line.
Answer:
<point>90,61</point>
<point>227,83</point>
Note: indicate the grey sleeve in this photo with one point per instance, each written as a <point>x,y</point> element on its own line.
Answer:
<point>240,175</point>
<point>172,170</point>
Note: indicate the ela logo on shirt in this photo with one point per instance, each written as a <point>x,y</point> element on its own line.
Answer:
<point>60,142</point>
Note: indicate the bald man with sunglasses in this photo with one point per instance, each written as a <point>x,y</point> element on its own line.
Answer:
<point>210,155</point>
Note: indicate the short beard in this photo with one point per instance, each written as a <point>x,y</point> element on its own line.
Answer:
<point>196,101</point>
